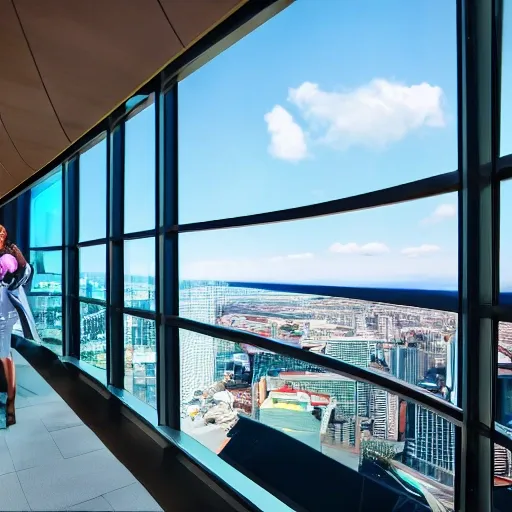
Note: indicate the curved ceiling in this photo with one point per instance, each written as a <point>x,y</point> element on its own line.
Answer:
<point>65,64</point>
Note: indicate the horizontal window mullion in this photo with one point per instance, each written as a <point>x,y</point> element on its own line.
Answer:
<point>44,294</point>
<point>47,248</point>
<point>428,299</point>
<point>428,187</point>
<point>141,313</point>
<point>504,167</point>
<point>89,243</point>
<point>375,378</point>
<point>148,233</point>
<point>90,300</point>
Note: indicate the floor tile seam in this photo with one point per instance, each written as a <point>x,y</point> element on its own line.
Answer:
<point>102,496</point>
<point>85,453</point>
<point>118,489</point>
<point>17,476</point>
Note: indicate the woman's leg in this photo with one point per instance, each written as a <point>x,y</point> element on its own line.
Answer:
<point>3,393</point>
<point>11,392</point>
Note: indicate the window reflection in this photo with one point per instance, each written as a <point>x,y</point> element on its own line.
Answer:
<point>93,344</point>
<point>93,192</point>
<point>139,273</point>
<point>93,272</point>
<point>140,358</point>
<point>46,212</point>
<point>238,397</point>
<point>139,181</point>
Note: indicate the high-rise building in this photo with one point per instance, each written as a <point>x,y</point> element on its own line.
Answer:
<point>431,444</point>
<point>198,301</point>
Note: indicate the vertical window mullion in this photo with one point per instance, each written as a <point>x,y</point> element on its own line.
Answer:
<point>115,257</point>
<point>168,368</point>
<point>70,264</point>
<point>477,285</point>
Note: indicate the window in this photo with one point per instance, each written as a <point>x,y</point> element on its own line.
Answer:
<point>506,81</point>
<point>93,192</point>
<point>47,313</point>
<point>350,422</point>
<point>328,124</point>
<point>407,245</point>
<point>93,341</point>
<point>45,297</point>
<point>413,344</point>
<point>139,273</point>
<point>93,272</point>
<point>139,181</point>
<point>46,212</point>
<point>505,240</point>
<point>47,272</point>
<point>45,291</point>
<point>140,358</point>
<point>504,382</point>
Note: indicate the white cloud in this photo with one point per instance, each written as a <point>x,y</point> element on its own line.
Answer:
<point>442,212</point>
<point>288,141</point>
<point>422,250</point>
<point>370,249</point>
<point>374,115</point>
<point>300,256</point>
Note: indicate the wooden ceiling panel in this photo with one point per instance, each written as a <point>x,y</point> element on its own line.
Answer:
<point>26,111</point>
<point>66,64</point>
<point>7,182</point>
<point>93,54</point>
<point>192,18</point>
<point>11,159</point>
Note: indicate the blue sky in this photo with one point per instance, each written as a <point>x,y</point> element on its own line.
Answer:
<point>314,105</point>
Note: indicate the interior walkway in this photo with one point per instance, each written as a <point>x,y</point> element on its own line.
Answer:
<point>50,460</point>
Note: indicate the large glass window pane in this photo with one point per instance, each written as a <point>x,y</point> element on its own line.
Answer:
<point>139,181</point>
<point>93,275</point>
<point>255,407</point>
<point>93,192</point>
<point>506,81</point>
<point>504,383</point>
<point>506,240</point>
<point>140,358</point>
<point>47,272</point>
<point>46,212</point>
<point>45,299</point>
<point>415,345</point>
<point>139,273</point>
<point>502,496</point>
<point>407,245</point>
<point>47,312</point>
<point>327,123</point>
<point>93,340</point>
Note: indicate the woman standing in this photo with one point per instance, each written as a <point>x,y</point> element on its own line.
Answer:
<point>14,272</point>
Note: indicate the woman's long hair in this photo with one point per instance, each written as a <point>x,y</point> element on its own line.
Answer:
<point>8,247</point>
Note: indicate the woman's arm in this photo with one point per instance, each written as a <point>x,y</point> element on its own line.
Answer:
<point>13,249</point>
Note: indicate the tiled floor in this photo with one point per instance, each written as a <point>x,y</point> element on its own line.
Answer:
<point>50,460</point>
